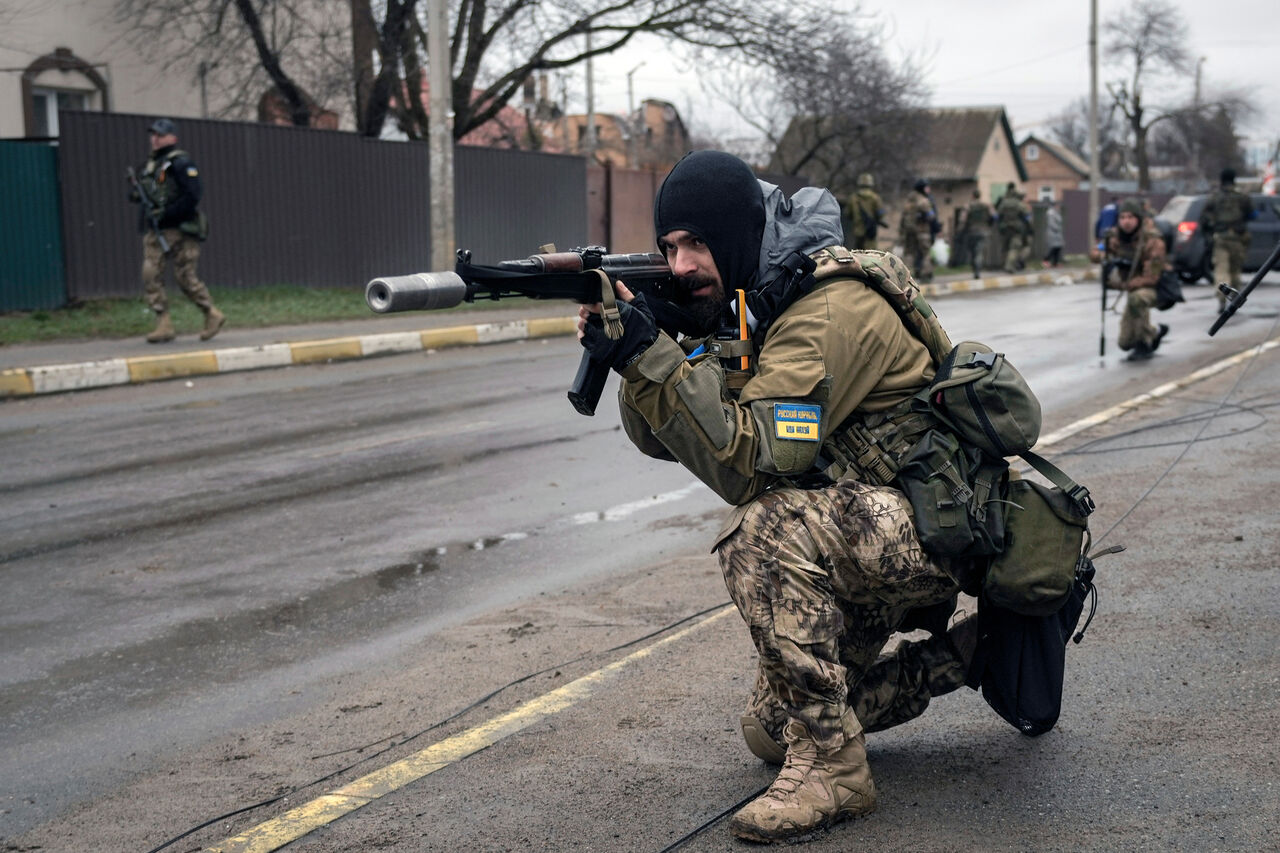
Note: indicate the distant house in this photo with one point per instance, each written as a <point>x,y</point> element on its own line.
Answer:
<point>653,138</point>
<point>966,148</point>
<point>959,149</point>
<point>1051,169</point>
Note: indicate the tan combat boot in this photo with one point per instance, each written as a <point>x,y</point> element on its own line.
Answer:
<point>815,789</point>
<point>213,320</point>
<point>163,330</point>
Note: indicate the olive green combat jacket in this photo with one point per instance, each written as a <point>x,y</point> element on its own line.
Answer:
<point>1144,252</point>
<point>838,350</point>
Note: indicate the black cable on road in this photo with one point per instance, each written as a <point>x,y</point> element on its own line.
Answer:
<point>432,727</point>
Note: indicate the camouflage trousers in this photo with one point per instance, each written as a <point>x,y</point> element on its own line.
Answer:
<point>976,246</point>
<point>1228,257</point>
<point>1016,248</point>
<point>1135,322</point>
<point>918,248</point>
<point>184,252</point>
<point>823,578</point>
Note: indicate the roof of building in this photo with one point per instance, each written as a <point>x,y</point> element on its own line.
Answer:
<point>955,138</point>
<point>1070,158</point>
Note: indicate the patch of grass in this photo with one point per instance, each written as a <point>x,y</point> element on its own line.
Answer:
<point>276,305</point>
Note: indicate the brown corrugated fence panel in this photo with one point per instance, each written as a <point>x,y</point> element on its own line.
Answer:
<point>301,206</point>
<point>508,203</point>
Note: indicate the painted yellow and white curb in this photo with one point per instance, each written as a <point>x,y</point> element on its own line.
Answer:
<point>56,378</point>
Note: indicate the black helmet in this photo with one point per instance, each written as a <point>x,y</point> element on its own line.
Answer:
<point>921,184</point>
<point>1228,176</point>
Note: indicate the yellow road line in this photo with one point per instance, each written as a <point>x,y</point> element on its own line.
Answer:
<point>297,822</point>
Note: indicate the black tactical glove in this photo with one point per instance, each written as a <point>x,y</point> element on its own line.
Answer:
<point>639,331</point>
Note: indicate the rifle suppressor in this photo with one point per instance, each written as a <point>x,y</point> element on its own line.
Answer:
<point>420,291</point>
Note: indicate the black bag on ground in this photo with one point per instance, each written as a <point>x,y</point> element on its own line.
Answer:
<point>1168,291</point>
<point>1021,660</point>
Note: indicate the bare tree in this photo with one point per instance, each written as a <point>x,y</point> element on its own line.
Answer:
<point>831,107</point>
<point>496,45</point>
<point>1148,38</point>
<point>1071,129</point>
<point>244,48</point>
<point>1202,141</point>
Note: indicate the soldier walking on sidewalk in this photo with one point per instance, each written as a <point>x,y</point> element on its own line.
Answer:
<point>168,194</point>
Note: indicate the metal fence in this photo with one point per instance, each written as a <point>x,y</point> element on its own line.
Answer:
<point>31,274</point>
<point>300,206</point>
<point>295,205</point>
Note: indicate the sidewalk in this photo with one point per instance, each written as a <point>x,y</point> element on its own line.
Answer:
<point>48,368</point>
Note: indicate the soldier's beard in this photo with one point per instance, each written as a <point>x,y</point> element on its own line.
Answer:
<point>707,311</point>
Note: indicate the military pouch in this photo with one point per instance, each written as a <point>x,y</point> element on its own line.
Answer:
<point>1168,291</point>
<point>954,492</point>
<point>1044,537</point>
<point>985,400</point>
<point>197,227</point>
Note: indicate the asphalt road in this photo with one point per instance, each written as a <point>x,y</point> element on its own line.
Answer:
<point>219,591</point>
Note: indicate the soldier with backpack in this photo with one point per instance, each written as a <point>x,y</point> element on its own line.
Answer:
<point>1015,229</point>
<point>794,378</point>
<point>978,220</point>
<point>1224,220</point>
<point>917,228</point>
<point>866,214</point>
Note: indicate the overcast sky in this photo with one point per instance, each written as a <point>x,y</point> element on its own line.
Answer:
<point>1031,57</point>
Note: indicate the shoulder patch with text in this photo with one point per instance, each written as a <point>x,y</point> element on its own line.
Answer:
<point>797,421</point>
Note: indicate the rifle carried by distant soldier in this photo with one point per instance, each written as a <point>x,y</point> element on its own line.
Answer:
<point>585,276</point>
<point>151,209</point>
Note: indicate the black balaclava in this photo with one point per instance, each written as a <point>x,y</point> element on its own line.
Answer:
<point>716,196</point>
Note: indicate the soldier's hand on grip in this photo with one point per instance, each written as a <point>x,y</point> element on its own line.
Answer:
<point>639,330</point>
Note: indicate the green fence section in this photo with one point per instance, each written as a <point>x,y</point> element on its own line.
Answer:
<point>32,274</point>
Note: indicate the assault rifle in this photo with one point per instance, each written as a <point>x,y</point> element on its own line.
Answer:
<point>150,209</point>
<point>585,276</point>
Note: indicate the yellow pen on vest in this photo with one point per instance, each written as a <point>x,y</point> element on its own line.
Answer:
<point>743,334</point>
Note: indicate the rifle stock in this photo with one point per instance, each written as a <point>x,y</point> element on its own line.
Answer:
<point>555,275</point>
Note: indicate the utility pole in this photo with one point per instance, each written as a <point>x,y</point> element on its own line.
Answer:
<point>589,143</point>
<point>634,125</point>
<point>440,135</point>
<point>1095,171</point>
<point>1195,139</point>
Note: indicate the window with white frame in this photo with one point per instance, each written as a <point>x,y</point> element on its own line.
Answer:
<point>1032,152</point>
<point>47,102</point>
<point>1045,194</point>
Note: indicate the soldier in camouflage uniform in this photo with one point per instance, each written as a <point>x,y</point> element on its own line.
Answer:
<point>1133,258</point>
<point>866,214</point>
<point>1015,229</point>
<point>172,181</point>
<point>978,220</point>
<point>822,569</point>
<point>1223,220</point>
<point>917,228</point>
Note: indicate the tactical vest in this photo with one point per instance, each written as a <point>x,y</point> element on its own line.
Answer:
<point>868,446</point>
<point>1227,212</point>
<point>978,219</point>
<point>1010,214</point>
<point>155,178</point>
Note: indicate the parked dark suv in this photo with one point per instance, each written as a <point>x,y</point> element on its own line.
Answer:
<point>1179,222</point>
